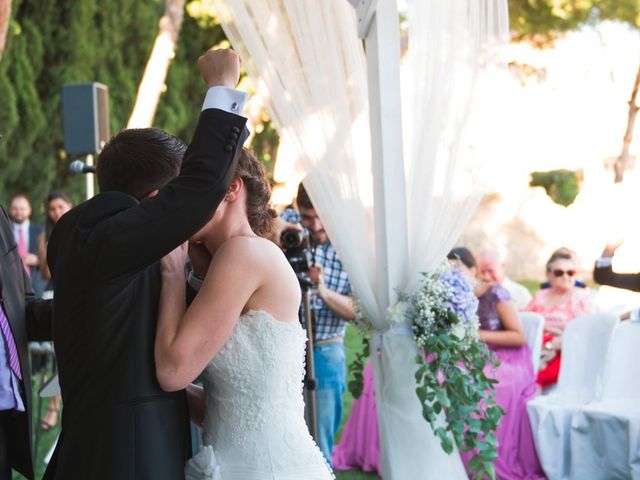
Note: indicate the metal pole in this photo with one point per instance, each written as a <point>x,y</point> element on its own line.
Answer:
<point>311,412</point>
<point>89,178</point>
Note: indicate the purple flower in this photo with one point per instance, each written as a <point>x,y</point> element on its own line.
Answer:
<point>461,299</point>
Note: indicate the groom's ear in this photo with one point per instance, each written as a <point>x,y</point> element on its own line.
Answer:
<point>234,189</point>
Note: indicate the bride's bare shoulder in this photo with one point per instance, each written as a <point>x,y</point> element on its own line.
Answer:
<point>251,249</point>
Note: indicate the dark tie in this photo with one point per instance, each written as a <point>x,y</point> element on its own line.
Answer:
<point>14,361</point>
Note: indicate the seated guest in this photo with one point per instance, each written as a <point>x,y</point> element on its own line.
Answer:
<point>491,268</point>
<point>359,446</point>
<point>559,304</point>
<point>564,250</point>
<point>501,330</point>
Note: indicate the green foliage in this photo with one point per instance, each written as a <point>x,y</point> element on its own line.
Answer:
<point>106,41</point>
<point>356,369</point>
<point>562,186</point>
<point>541,21</point>
<point>183,97</point>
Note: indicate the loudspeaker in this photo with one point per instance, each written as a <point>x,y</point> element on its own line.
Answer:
<point>85,115</point>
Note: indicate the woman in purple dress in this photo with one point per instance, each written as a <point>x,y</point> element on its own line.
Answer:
<point>359,446</point>
<point>501,330</point>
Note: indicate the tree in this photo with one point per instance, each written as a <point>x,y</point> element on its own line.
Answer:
<point>541,21</point>
<point>5,16</point>
<point>155,73</point>
<point>107,41</point>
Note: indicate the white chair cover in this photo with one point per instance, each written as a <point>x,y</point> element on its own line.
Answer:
<point>533,326</point>
<point>605,435</point>
<point>584,346</point>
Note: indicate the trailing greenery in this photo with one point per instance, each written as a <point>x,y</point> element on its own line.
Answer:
<point>562,186</point>
<point>451,377</point>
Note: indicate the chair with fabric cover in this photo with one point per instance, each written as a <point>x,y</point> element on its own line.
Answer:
<point>605,435</point>
<point>533,326</point>
<point>584,346</point>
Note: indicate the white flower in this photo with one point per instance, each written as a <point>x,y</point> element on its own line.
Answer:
<point>459,331</point>
<point>399,314</point>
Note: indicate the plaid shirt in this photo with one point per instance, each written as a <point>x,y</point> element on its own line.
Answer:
<point>327,324</point>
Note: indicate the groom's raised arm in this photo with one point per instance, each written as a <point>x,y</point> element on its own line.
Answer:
<point>142,234</point>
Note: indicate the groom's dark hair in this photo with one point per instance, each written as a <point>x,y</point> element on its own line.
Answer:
<point>138,161</point>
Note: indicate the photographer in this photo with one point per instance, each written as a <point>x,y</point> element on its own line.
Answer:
<point>331,308</point>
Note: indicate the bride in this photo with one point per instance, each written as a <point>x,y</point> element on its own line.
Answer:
<point>242,333</point>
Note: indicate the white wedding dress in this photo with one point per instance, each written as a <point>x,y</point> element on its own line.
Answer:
<point>254,427</point>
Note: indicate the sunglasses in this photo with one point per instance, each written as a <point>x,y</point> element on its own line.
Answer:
<point>559,273</point>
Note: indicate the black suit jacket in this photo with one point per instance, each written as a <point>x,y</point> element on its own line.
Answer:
<point>104,254</point>
<point>606,276</point>
<point>15,291</point>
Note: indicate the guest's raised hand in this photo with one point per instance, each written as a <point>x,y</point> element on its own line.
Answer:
<point>220,67</point>
<point>172,264</point>
<point>481,287</point>
<point>200,258</point>
<point>611,248</point>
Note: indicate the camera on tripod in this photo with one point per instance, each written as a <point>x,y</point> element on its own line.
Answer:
<point>296,246</point>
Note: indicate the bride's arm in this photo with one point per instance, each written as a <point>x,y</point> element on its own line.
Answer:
<point>187,341</point>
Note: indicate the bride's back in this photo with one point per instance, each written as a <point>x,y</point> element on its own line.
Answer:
<point>254,405</point>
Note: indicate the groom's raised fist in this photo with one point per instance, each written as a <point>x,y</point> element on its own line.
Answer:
<point>220,67</point>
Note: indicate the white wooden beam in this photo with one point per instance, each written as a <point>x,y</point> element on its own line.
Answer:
<point>365,10</point>
<point>382,44</point>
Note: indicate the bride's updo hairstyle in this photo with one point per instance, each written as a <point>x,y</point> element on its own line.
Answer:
<point>256,184</point>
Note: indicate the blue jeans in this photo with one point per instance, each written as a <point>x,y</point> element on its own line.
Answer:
<point>331,378</point>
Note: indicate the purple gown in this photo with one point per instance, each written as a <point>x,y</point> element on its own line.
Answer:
<point>517,458</point>
<point>359,447</point>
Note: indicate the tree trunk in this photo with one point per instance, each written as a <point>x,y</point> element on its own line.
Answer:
<point>155,73</point>
<point>623,160</point>
<point>5,17</point>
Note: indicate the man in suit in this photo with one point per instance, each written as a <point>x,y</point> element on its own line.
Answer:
<point>26,236</point>
<point>604,275</point>
<point>16,322</point>
<point>117,423</point>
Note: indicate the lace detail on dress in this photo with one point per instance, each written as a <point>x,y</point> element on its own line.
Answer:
<point>254,404</point>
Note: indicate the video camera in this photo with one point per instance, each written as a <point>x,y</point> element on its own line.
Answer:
<point>296,245</point>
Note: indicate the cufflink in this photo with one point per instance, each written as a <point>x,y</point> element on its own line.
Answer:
<point>234,106</point>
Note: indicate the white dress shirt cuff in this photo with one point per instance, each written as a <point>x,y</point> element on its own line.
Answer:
<point>224,98</point>
<point>194,281</point>
<point>603,262</point>
<point>634,315</point>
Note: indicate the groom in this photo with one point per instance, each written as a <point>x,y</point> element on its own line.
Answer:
<point>104,257</point>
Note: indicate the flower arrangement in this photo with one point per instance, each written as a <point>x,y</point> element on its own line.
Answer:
<point>451,362</point>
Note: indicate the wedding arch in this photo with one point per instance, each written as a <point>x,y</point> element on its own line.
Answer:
<point>389,154</point>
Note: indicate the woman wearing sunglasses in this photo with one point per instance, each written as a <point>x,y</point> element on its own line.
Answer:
<point>559,304</point>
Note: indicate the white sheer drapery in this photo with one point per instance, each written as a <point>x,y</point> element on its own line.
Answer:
<point>446,82</point>
<point>305,54</point>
